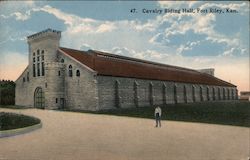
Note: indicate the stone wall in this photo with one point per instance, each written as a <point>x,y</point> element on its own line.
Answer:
<point>115,92</point>
<point>80,91</point>
<point>24,93</point>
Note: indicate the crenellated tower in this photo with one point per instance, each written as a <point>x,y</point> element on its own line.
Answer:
<point>45,70</point>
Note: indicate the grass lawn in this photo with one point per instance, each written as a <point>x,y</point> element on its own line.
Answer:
<point>13,107</point>
<point>227,113</point>
<point>14,121</point>
<point>235,113</point>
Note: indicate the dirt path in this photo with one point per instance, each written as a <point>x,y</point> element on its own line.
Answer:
<point>79,136</point>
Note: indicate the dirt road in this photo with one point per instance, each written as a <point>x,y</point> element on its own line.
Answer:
<point>80,136</point>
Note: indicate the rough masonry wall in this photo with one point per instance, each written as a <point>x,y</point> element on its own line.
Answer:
<point>118,92</point>
<point>80,92</point>
<point>24,92</point>
<point>54,85</point>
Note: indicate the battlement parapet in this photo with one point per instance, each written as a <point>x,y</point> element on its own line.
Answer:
<point>44,33</point>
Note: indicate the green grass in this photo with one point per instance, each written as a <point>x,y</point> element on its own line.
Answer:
<point>13,121</point>
<point>13,107</point>
<point>235,113</point>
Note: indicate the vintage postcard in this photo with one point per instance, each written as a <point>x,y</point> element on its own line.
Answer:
<point>124,80</point>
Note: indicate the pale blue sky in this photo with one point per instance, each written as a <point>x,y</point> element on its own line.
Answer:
<point>220,41</point>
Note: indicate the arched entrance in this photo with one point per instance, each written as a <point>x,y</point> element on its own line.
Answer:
<point>39,98</point>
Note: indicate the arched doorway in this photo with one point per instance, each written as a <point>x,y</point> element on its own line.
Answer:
<point>39,98</point>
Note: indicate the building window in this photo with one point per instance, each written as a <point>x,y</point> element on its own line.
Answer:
<point>34,54</point>
<point>59,73</point>
<point>224,96</point>
<point>62,60</point>
<point>28,77</point>
<point>42,68</point>
<point>38,69</point>
<point>164,94</point>
<point>218,93</point>
<point>136,98</point>
<point>56,100</point>
<point>34,59</point>
<point>175,94</point>
<point>151,100</point>
<point>38,52</point>
<point>70,71</point>
<point>208,94</point>
<point>232,94</point>
<point>23,79</point>
<point>34,70</point>
<point>46,85</point>
<point>117,96</point>
<point>38,59</point>
<point>201,96</point>
<point>42,51</point>
<point>213,94</point>
<point>193,93</point>
<point>185,94</point>
<point>77,73</point>
<point>42,57</point>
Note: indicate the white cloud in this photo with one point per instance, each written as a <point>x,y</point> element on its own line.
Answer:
<point>18,16</point>
<point>85,47</point>
<point>78,24</point>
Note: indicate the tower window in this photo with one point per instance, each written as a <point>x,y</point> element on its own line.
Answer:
<point>28,77</point>
<point>70,71</point>
<point>42,68</point>
<point>38,69</point>
<point>56,100</point>
<point>34,53</point>
<point>38,52</point>
<point>59,73</point>
<point>77,73</point>
<point>34,59</point>
<point>38,58</point>
<point>34,70</point>
<point>62,60</point>
<point>42,51</point>
<point>42,57</point>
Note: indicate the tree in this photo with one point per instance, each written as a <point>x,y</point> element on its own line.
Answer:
<point>7,92</point>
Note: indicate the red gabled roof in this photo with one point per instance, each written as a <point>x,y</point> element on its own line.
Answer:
<point>120,66</point>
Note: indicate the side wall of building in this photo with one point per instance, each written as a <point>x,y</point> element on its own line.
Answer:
<point>80,91</point>
<point>118,92</point>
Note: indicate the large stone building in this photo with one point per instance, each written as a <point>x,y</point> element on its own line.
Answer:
<point>63,78</point>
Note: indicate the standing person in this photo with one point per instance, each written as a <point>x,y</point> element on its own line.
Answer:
<point>158,116</point>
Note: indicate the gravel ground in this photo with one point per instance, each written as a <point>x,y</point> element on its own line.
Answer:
<point>80,136</point>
